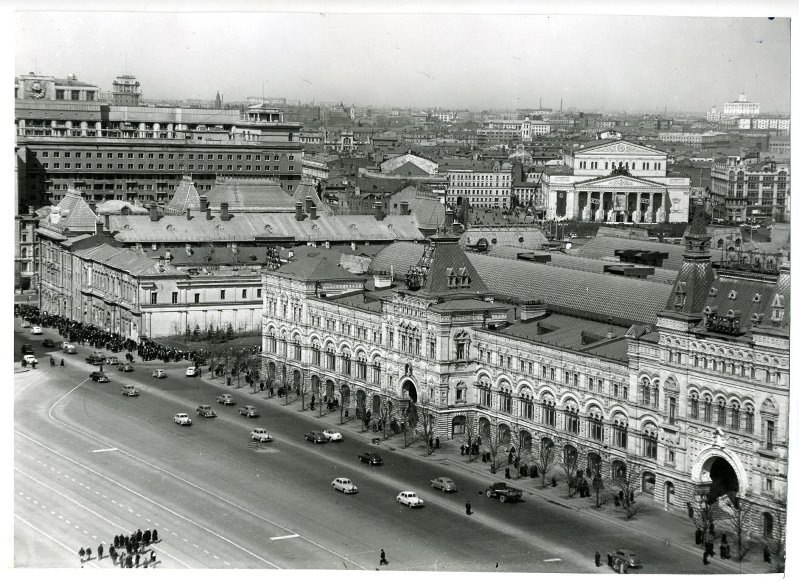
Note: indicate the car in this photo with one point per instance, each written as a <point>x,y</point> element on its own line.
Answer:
<point>159,373</point>
<point>410,499</point>
<point>192,371</point>
<point>345,485</point>
<point>126,367</point>
<point>26,324</point>
<point>248,411</point>
<point>182,419</point>
<point>68,348</point>
<point>225,399</point>
<point>98,376</point>
<point>48,343</point>
<point>131,391</point>
<point>205,411</point>
<point>260,435</point>
<point>332,435</point>
<point>444,484</point>
<point>629,558</point>
<point>316,437</point>
<point>95,359</point>
<point>503,492</point>
<point>29,359</point>
<point>36,330</point>
<point>113,360</point>
<point>27,349</point>
<point>371,458</point>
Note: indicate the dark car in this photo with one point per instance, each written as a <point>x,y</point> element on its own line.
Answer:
<point>95,359</point>
<point>126,367</point>
<point>504,492</point>
<point>316,437</point>
<point>27,349</point>
<point>98,376</point>
<point>619,556</point>
<point>371,458</point>
<point>48,343</point>
<point>205,411</point>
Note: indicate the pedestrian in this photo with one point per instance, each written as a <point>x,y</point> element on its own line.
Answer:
<point>704,558</point>
<point>766,555</point>
<point>88,553</point>
<point>431,444</point>
<point>146,537</point>
<point>112,552</point>
<point>138,556</point>
<point>62,362</point>
<point>155,535</point>
<point>463,450</point>
<point>152,559</point>
<point>468,508</point>
<point>116,541</point>
<point>622,567</point>
<point>698,537</point>
<point>479,441</point>
<point>507,472</point>
<point>383,557</point>
<point>597,559</point>
<point>138,535</point>
<point>121,560</point>
<point>610,560</point>
<point>100,552</point>
<point>712,529</point>
<point>81,554</point>
<point>438,443</point>
<point>129,561</point>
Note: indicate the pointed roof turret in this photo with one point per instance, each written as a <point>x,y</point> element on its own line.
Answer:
<point>696,276</point>
<point>185,197</point>
<point>444,269</point>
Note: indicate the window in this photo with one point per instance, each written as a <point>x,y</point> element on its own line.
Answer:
<point>571,418</point>
<point>346,364</point>
<point>432,348</point>
<point>596,431</point>
<point>620,433</point>
<point>331,358</point>
<point>735,416</point>
<point>650,444</point>
<point>174,298</point>
<point>721,415</point>
<point>297,349</point>
<point>485,395</point>
<point>526,407</point>
<point>672,409</point>
<point>59,94</point>
<point>153,298</point>
<point>244,293</point>
<point>316,354</point>
<point>196,298</point>
<point>222,295</point>
<point>708,409</point>
<point>769,434</point>
<point>695,406</point>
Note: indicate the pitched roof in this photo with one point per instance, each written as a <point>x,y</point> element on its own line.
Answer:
<point>120,207</point>
<point>445,269</point>
<point>323,267</point>
<point>250,195</point>
<point>185,196</point>
<point>128,260</point>
<point>76,213</point>
<point>523,236</point>
<point>604,246</point>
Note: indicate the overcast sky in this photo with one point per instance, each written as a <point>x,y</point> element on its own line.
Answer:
<point>421,60</point>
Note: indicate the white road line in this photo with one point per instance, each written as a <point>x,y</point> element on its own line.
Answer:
<point>552,560</point>
<point>104,450</point>
<point>294,536</point>
<point>70,550</point>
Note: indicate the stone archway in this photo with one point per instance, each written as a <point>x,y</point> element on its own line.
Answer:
<point>484,428</point>
<point>410,388</point>
<point>360,403</point>
<point>718,472</point>
<point>296,379</point>
<point>669,493</point>
<point>648,483</point>
<point>329,389</point>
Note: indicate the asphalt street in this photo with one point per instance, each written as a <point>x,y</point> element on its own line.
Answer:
<point>91,463</point>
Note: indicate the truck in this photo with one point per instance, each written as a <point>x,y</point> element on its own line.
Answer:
<point>504,492</point>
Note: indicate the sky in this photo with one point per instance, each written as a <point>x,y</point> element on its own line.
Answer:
<point>448,60</point>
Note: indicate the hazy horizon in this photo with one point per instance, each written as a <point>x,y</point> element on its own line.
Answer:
<point>593,63</point>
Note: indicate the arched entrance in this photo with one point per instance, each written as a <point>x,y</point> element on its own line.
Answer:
<point>669,493</point>
<point>484,428</point>
<point>329,389</point>
<point>458,426</point>
<point>270,370</point>
<point>648,483</point>
<point>593,464</point>
<point>717,475</point>
<point>315,382</point>
<point>360,403</point>
<point>410,389</point>
<point>375,404</point>
<point>296,379</point>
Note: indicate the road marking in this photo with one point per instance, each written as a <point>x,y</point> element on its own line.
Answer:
<point>552,560</point>
<point>71,550</point>
<point>105,450</point>
<point>294,536</point>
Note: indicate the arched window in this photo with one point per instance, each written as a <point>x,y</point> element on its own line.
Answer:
<point>620,431</point>
<point>346,362</point>
<point>749,418</point>
<point>571,418</point>
<point>360,366</point>
<point>708,409</point>
<point>316,353</point>
<point>643,391</point>
<point>271,341</point>
<point>768,525</point>
<point>735,416</point>
<point>376,371</point>
<point>526,405</point>
<point>655,391</point>
<point>484,387</point>
<point>330,359</point>
<point>297,348</point>
<point>548,410</point>
<point>596,430</point>
<point>721,415</point>
<point>694,405</point>
<point>650,441</point>
<point>460,392</point>
<point>505,401</point>
<point>461,346</point>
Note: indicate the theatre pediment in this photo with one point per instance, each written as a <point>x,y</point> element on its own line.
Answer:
<point>620,148</point>
<point>619,182</point>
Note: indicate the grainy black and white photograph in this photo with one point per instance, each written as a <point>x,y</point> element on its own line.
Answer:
<point>435,288</point>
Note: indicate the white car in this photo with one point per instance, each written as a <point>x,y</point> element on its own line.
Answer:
<point>30,359</point>
<point>192,371</point>
<point>36,331</point>
<point>182,419</point>
<point>260,435</point>
<point>409,499</point>
<point>159,373</point>
<point>332,435</point>
<point>345,485</point>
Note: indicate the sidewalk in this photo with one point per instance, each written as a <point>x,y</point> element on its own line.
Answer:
<point>668,528</point>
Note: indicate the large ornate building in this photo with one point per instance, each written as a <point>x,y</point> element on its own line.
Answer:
<point>697,401</point>
<point>615,181</point>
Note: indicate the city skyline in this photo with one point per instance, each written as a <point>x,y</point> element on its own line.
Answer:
<point>420,60</point>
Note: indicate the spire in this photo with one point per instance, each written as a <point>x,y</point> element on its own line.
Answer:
<point>697,240</point>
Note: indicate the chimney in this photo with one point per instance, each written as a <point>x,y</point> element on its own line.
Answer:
<point>208,215</point>
<point>300,215</point>
<point>167,257</point>
<point>224,208</point>
<point>404,209</point>
<point>31,210</point>
<point>291,253</point>
<point>353,246</point>
<point>379,211</point>
<point>611,334</point>
<point>93,206</point>
<point>98,227</point>
<point>203,204</point>
<point>107,218</point>
<point>154,212</point>
<point>382,279</point>
<point>308,204</point>
<point>188,250</point>
<point>449,218</point>
<point>530,310</point>
<point>313,212</point>
<point>188,213</point>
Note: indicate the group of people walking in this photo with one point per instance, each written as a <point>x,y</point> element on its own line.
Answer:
<point>127,551</point>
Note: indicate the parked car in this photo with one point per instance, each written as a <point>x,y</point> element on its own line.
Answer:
<point>316,437</point>
<point>26,324</point>
<point>344,485</point>
<point>410,499</point>
<point>113,360</point>
<point>30,359</point>
<point>36,330</point>
<point>159,373</point>
<point>629,558</point>
<point>27,349</point>
<point>130,391</point>
<point>95,359</point>
<point>192,371</point>
<point>503,492</point>
<point>68,348</point>
<point>444,484</point>
<point>225,399</point>
<point>371,458</point>
<point>260,435</point>
<point>248,411</point>
<point>98,376</point>
<point>127,367</point>
<point>182,419</point>
<point>205,411</point>
<point>49,343</point>
<point>332,435</point>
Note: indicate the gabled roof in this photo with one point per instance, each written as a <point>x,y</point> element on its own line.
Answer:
<point>76,214</point>
<point>323,267</point>
<point>128,261</point>
<point>250,195</point>
<point>185,196</point>
<point>616,146</point>
<point>444,269</point>
<point>619,181</point>
<point>120,207</point>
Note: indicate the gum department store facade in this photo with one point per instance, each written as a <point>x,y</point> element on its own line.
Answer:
<point>699,400</point>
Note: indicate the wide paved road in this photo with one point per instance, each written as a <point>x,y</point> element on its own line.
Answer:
<point>91,463</point>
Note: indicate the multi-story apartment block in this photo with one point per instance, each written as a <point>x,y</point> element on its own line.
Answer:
<point>615,181</point>
<point>778,124</point>
<point>741,107</point>
<point>695,405</point>
<point>482,189</point>
<point>46,88</point>
<point>706,138</point>
<point>510,130</point>
<point>752,192</point>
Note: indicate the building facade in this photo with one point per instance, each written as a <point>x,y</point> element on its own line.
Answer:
<point>752,192</point>
<point>482,189</point>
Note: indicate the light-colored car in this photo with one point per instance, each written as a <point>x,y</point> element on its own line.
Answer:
<point>409,499</point>
<point>344,485</point>
<point>182,419</point>
<point>26,324</point>
<point>260,435</point>
<point>248,411</point>
<point>332,435</point>
<point>68,348</point>
<point>30,359</point>
<point>205,411</point>
<point>192,371</point>
<point>159,373</point>
<point>36,331</point>
<point>444,484</point>
<point>112,360</point>
<point>130,391</point>
<point>225,399</point>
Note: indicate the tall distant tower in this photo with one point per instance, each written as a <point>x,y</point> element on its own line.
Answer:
<point>218,101</point>
<point>126,91</point>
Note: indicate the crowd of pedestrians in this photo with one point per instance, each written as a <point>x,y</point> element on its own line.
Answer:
<point>127,551</point>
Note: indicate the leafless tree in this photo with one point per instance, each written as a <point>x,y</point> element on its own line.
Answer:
<point>775,542</point>
<point>496,441</point>
<point>385,415</point>
<point>571,459</point>
<point>628,480</point>
<point>410,419</point>
<point>544,458</point>
<point>425,426</point>
<point>739,511</point>
<point>344,402</point>
<point>469,436</point>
